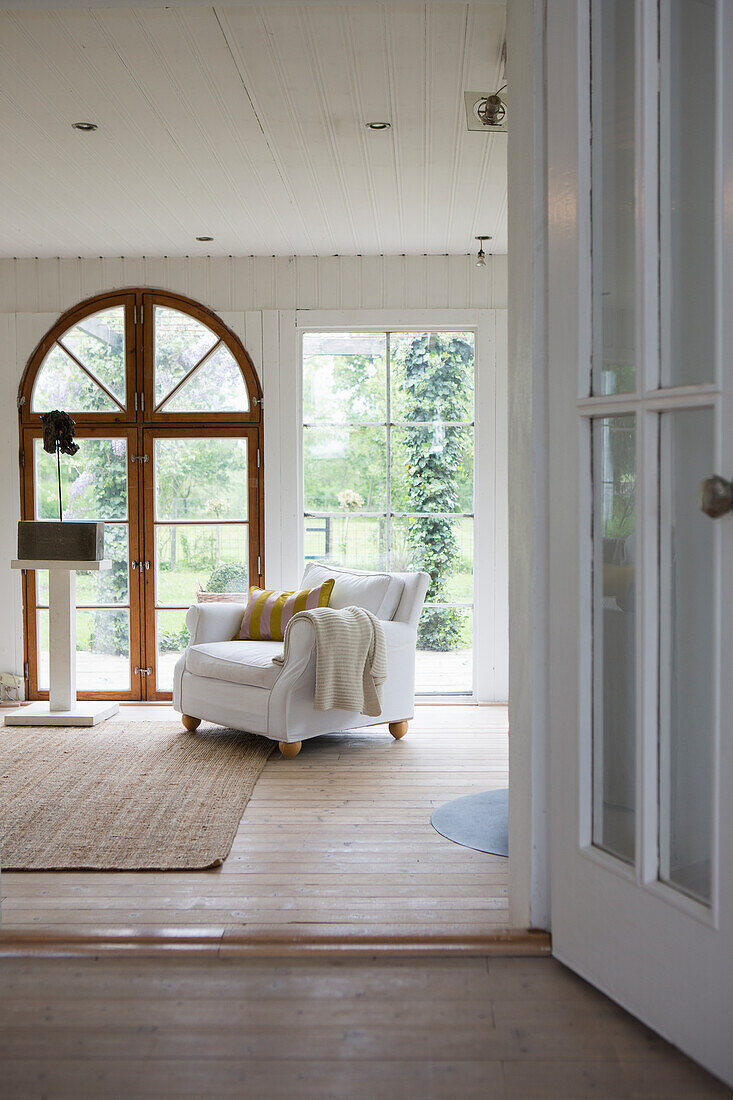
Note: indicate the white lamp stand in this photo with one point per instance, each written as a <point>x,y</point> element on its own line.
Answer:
<point>62,708</point>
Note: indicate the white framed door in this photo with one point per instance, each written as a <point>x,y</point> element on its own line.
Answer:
<point>640,307</point>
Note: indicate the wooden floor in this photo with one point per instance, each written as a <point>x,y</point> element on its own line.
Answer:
<point>339,837</point>
<point>434,1029</point>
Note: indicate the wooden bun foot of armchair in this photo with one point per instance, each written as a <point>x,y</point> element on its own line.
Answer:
<point>189,723</point>
<point>290,748</point>
<point>398,729</point>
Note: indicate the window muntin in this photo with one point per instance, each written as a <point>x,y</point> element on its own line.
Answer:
<point>388,474</point>
<point>84,370</point>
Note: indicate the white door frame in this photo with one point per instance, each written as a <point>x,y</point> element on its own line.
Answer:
<point>528,484</point>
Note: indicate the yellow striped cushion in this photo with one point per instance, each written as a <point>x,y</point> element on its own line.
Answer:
<point>268,611</point>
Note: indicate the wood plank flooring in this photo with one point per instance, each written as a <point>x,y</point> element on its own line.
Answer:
<point>338,837</point>
<point>430,1029</point>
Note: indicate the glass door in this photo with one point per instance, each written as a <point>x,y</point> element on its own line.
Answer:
<point>99,482</point>
<point>201,534</point>
<point>641,619</point>
<point>168,410</point>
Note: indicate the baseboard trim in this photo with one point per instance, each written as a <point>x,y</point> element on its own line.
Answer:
<point>324,940</point>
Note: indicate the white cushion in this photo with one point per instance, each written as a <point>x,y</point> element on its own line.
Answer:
<point>379,593</point>
<point>247,663</point>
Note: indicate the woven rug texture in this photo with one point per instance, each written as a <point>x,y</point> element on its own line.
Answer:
<point>123,796</point>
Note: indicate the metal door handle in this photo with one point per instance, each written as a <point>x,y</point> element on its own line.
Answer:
<point>716,496</point>
<point>142,671</point>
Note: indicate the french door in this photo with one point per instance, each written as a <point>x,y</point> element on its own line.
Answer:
<point>640,173</point>
<point>168,412</point>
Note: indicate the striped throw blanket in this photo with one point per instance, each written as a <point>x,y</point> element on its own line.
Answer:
<point>351,658</point>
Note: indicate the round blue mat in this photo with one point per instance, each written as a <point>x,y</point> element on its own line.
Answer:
<point>479,821</point>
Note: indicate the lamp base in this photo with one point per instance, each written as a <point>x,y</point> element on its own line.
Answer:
<point>83,713</point>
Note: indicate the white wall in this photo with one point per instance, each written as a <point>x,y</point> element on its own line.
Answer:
<point>264,282</point>
<point>258,298</point>
<point>528,639</point>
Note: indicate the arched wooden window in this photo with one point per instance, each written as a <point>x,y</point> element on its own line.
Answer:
<point>168,409</point>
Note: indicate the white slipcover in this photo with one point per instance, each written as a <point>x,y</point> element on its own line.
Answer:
<point>235,684</point>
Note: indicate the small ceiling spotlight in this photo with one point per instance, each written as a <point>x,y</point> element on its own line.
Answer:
<point>486,112</point>
<point>481,255</point>
<point>378,125</point>
<point>85,127</point>
<point>491,110</point>
<point>204,238</point>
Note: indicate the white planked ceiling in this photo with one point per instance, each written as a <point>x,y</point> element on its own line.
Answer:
<point>246,123</point>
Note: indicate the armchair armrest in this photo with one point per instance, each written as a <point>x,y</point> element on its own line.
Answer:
<point>213,622</point>
<point>303,640</point>
<point>397,635</point>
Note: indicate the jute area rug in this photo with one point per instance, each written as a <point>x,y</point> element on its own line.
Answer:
<point>123,796</point>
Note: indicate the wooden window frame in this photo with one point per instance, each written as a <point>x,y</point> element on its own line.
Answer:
<point>137,422</point>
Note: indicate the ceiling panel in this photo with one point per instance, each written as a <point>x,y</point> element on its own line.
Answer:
<point>246,123</point>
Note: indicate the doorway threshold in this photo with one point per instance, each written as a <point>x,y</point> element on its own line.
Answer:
<point>274,942</point>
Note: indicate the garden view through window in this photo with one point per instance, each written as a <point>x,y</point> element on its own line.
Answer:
<point>388,469</point>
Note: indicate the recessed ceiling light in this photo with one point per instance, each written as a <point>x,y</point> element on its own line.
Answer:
<point>378,125</point>
<point>204,238</point>
<point>87,127</point>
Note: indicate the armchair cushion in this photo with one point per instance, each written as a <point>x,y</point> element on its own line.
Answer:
<point>237,662</point>
<point>379,593</point>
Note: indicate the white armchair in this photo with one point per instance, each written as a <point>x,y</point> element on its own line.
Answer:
<point>236,684</point>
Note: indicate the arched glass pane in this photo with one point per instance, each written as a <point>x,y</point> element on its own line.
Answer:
<point>180,343</point>
<point>98,342</point>
<point>216,386</point>
<point>61,384</point>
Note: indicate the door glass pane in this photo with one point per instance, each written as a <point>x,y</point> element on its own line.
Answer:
<point>180,343</point>
<point>432,469</point>
<point>94,487</point>
<point>345,469</point>
<point>171,638</point>
<point>614,634</point>
<point>344,377</point>
<point>102,650</point>
<point>216,386</point>
<point>687,196</point>
<point>444,662</point>
<point>687,653</point>
<point>200,478</point>
<point>613,206</point>
<point>98,341</point>
<point>201,563</point>
<point>62,384</point>
<point>93,481</point>
<point>359,542</point>
<point>442,548</point>
<point>105,586</point>
<point>432,376</point>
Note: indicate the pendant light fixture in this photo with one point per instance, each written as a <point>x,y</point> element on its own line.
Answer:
<point>481,255</point>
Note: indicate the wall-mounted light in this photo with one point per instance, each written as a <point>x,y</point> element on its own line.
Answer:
<point>85,127</point>
<point>481,255</point>
<point>378,125</point>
